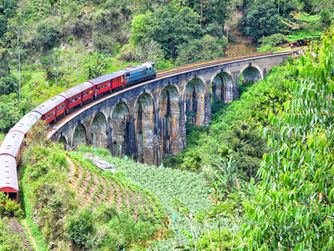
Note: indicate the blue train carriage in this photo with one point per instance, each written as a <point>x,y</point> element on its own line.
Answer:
<point>8,177</point>
<point>140,73</point>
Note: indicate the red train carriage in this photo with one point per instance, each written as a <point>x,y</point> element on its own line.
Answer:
<point>26,122</point>
<point>8,181</point>
<point>77,95</point>
<point>88,94</point>
<point>108,82</point>
<point>51,108</point>
<point>13,145</point>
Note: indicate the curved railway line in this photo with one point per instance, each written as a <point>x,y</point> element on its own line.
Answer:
<point>161,75</point>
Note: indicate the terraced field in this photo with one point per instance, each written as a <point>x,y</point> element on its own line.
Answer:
<point>60,187</point>
<point>94,187</point>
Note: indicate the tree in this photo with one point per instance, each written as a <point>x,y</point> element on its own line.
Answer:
<point>293,205</point>
<point>326,17</point>
<point>139,28</point>
<point>8,84</point>
<point>150,51</point>
<point>96,65</point>
<point>51,64</point>
<point>262,19</point>
<point>79,228</point>
<point>170,26</point>
<point>10,114</point>
<point>47,37</point>
<point>199,49</point>
<point>7,10</point>
<point>15,35</point>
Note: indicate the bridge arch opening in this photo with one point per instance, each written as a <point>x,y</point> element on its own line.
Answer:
<point>195,101</point>
<point>120,129</point>
<point>99,130</point>
<point>144,128</point>
<point>252,74</point>
<point>62,140</point>
<point>169,113</point>
<point>222,87</point>
<point>79,136</point>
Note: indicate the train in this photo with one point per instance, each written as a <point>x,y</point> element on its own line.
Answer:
<point>58,106</point>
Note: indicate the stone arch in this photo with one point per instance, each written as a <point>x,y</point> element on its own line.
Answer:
<point>120,133</point>
<point>195,101</point>
<point>144,128</point>
<point>79,135</point>
<point>62,140</point>
<point>169,113</point>
<point>251,73</point>
<point>222,87</point>
<point>99,130</point>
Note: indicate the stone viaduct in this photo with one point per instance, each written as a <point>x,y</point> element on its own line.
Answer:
<point>148,121</point>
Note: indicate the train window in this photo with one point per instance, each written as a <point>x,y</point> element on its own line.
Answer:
<point>12,195</point>
<point>79,97</point>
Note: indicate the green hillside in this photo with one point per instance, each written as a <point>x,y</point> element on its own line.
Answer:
<point>74,203</point>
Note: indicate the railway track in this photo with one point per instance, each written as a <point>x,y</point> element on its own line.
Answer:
<point>161,75</point>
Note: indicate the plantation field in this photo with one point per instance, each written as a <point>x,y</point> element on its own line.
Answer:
<point>168,185</point>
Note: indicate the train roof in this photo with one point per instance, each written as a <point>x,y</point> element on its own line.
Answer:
<point>139,67</point>
<point>49,105</point>
<point>26,122</point>
<point>107,77</point>
<point>8,172</point>
<point>11,144</point>
<point>75,90</point>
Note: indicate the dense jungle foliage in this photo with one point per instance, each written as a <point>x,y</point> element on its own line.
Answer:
<point>292,206</point>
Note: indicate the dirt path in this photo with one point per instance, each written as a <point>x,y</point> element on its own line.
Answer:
<point>14,226</point>
<point>30,236</point>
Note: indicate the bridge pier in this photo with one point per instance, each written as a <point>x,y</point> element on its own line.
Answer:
<point>235,81</point>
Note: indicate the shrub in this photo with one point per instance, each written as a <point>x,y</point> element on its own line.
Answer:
<point>80,229</point>
<point>221,240</point>
<point>9,207</point>
<point>8,239</point>
<point>47,36</point>
<point>8,85</point>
